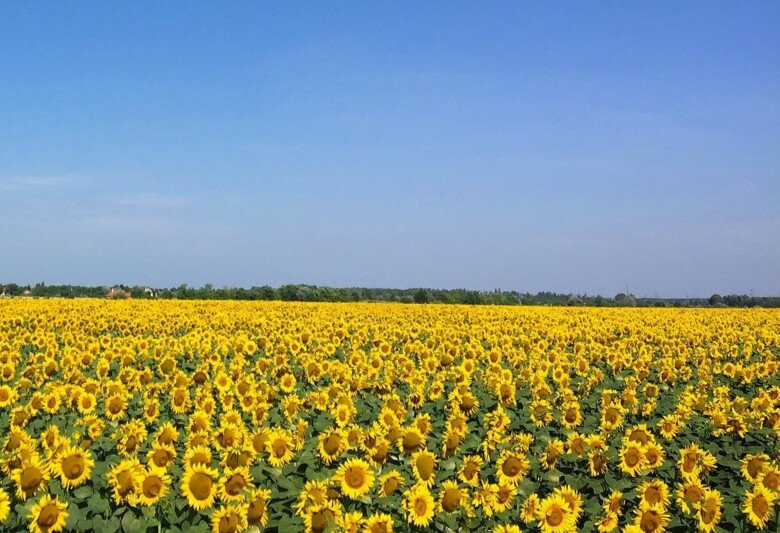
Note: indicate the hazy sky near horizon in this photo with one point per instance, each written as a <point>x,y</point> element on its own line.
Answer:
<point>570,147</point>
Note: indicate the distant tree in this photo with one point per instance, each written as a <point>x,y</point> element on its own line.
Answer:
<point>421,296</point>
<point>624,299</point>
<point>716,299</point>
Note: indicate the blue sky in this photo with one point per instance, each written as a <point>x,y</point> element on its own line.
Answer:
<point>548,146</point>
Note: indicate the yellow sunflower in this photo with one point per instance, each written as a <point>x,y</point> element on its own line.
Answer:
<point>73,466</point>
<point>30,477</point>
<point>389,482</point>
<point>48,515</point>
<point>758,506</point>
<point>199,486</point>
<point>5,505</point>
<point>124,479</point>
<point>234,482</point>
<point>512,467</point>
<point>355,478</point>
<point>423,463</point>
<point>228,519</point>
<point>419,506</point>
<point>331,444</point>
<point>710,510</point>
<point>257,507</point>
<point>280,446</point>
<point>554,515</point>
<point>152,486</point>
<point>651,519</point>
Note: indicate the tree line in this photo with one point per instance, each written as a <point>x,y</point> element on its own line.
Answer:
<point>315,293</point>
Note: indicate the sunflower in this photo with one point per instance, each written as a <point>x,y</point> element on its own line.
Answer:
<point>572,498</point>
<point>161,455</point>
<point>319,517</point>
<point>30,477</point>
<point>280,446</point>
<point>654,493</point>
<point>753,465</point>
<point>710,510</point>
<point>228,519</point>
<point>314,492</point>
<point>124,479</point>
<point>419,506</point>
<point>355,478</point>
<point>350,522</point>
<point>87,403</point>
<point>7,396</point>
<point>551,454</point>
<point>5,505</point>
<point>613,503</point>
<point>234,482</point>
<point>411,440</point>
<point>651,519</point>
<point>73,466</point>
<point>758,506</point>
<point>512,467</point>
<point>423,463</point>
<point>632,458</point>
<point>152,486</point>
<point>554,515</point>
<point>199,486</point>
<point>378,523</point>
<point>48,515</point>
<point>389,482</point>
<point>451,497</point>
<point>654,456</point>
<point>607,523</point>
<point>257,507</point>
<point>332,443</point>
<point>505,495</point>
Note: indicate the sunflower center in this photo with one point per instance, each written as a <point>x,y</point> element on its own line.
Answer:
<point>235,484</point>
<point>254,513</point>
<point>652,495</point>
<point>320,519</point>
<point>279,448</point>
<point>420,506</point>
<point>228,523</point>
<point>425,466</point>
<point>30,479</point>
<point>650,521</point>
<point>389,487</point>
<point>555,517</point>
<point>152,486</point>
<point>571,415</point>
<point>451,499</point>
<point>470,470</point>
<point>693,493</point>
<point>759,505</point>
<point>73,466</point>
<point>200,486</point>
<point>511,467</point>
<point>332,444</point>
<point>355,477</point>
<point>632,457</point>
<point>411,441</point>
<point>48,516</point>
<point>754,467</point>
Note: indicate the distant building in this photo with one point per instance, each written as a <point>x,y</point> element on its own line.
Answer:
<point>117,293</point>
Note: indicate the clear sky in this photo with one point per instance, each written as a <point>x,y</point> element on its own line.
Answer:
<point>571,147</point>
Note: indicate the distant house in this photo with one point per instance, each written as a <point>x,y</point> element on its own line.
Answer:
<point>117,293</point>
<point>27,292</point>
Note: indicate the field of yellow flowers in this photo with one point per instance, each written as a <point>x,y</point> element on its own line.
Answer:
<point>226,416</point>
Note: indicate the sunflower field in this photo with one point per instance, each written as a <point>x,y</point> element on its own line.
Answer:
<point>228,416</point>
